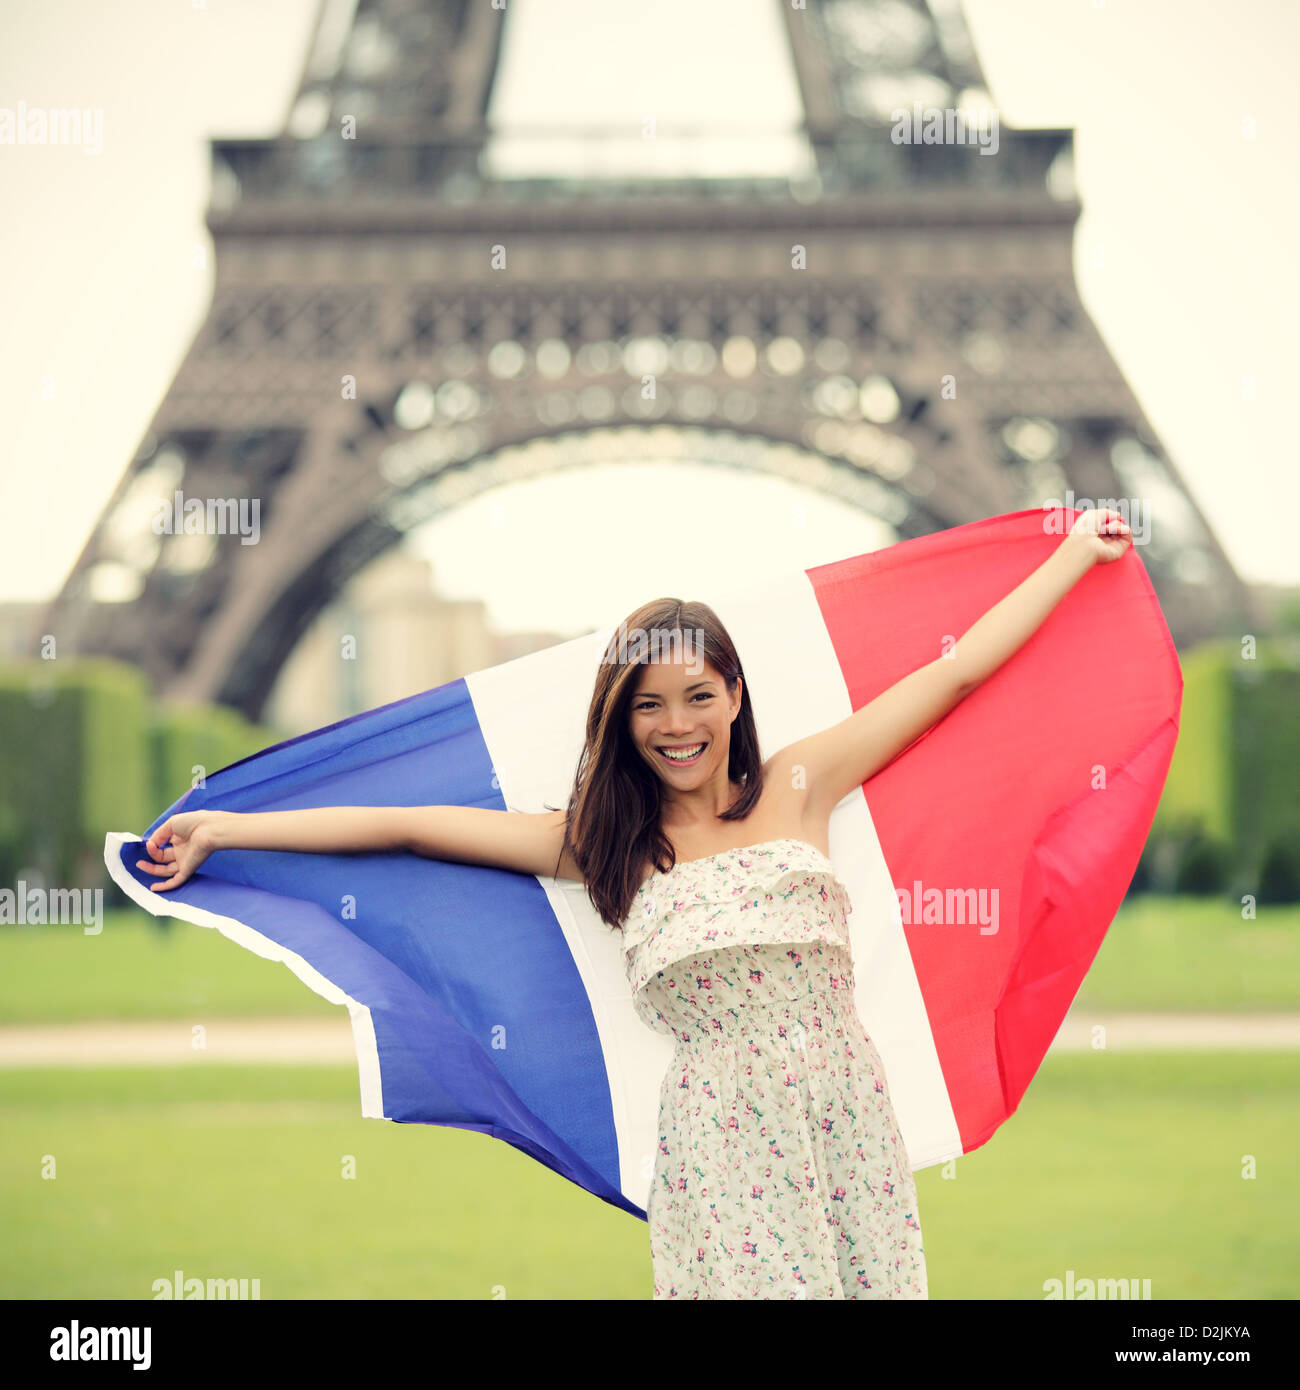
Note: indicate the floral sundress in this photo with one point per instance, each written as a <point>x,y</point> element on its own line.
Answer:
<point>780,1171</point>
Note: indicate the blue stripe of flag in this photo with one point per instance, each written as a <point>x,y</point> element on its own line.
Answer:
<point>480,1014</point>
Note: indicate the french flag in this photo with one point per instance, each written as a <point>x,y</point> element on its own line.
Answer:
<point>984,863</point>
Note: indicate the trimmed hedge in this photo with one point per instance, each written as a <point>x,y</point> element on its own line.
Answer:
<point>84,749</point>
<point>188,743</point>
<point>72,765</point>
<point>1229,819</point>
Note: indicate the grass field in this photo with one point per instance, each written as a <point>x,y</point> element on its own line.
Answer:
<point>1116,1166</point>
<point>1160,954</point>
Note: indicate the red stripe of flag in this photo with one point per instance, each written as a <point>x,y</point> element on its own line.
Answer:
<point>1000,793</point>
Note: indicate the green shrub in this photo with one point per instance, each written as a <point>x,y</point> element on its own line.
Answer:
<point>1202,867</point>
<point>84,751</point>
<point>73,765</point>
<point>1279,873</point>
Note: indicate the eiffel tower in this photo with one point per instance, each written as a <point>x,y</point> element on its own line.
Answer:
<point>394,329</point>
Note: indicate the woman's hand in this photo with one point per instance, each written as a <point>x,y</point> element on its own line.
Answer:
<point>1103,532</point>
<point>191,841</point>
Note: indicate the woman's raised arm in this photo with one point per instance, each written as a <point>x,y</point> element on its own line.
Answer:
<point>838,759</point>
<point>1097,537</point>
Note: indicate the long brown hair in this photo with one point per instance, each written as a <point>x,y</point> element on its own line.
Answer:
<point>612,827</point>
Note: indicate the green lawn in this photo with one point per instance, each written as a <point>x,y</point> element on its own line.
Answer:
<point>1196,954</point>
<point>1160,954</point>
<point>140,967</point>
<point>1116,1166</point>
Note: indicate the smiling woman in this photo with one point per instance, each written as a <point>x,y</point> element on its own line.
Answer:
<point>779,1167</point>
<point>800,1184</point>
<point>635,795</point>
<point>752,1120</point>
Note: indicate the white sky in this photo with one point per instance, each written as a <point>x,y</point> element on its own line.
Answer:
<point>1182,259</point>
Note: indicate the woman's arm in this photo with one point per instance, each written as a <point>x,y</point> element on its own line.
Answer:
<point>182,842</point>
<point>469,834</point>
<point>314,830</point>
<point>840,758</point>
<point>1012,621</point>
<point>527,843</point>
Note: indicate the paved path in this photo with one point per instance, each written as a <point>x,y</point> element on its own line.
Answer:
<point>328,1042</point>
<point>324,1042</point>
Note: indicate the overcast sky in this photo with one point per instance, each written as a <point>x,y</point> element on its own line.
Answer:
<point>1185,163</point>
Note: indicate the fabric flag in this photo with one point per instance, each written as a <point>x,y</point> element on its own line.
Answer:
<point>984,863</point>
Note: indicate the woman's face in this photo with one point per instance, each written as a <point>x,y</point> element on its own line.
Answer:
<point>683,707</point>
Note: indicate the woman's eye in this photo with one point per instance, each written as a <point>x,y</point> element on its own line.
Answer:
<point>703,695</point>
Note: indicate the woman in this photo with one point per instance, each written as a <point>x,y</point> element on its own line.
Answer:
<point>780,1171</point>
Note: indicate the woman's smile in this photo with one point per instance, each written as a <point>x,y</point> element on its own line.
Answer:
<point>674,754</point>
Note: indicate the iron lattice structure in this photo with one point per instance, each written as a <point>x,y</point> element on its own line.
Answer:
<point>394,329</point>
